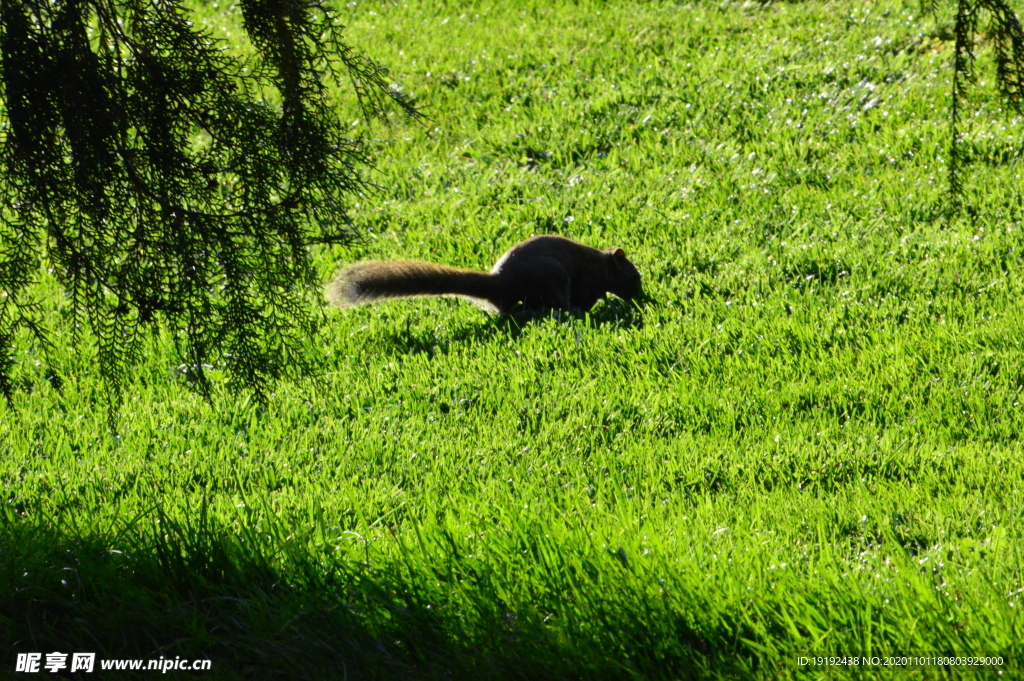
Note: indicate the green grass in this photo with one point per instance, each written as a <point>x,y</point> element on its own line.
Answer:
<point>807,443</point>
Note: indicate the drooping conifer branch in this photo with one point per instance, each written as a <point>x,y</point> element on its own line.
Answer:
<point>1007,39</point>
<point>142,162</point>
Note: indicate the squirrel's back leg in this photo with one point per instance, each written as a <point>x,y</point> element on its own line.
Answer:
<point>548,286</point>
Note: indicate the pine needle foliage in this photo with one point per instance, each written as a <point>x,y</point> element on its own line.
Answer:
<point>1007,41</point>
<point>169,183</point>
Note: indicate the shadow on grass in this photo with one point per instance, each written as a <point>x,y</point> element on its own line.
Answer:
<point>198,592</point>
<point>613,313</point>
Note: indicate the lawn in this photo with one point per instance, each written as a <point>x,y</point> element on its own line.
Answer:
<point>806,444</point>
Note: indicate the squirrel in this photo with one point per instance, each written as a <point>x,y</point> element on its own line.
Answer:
<point>543,272</point>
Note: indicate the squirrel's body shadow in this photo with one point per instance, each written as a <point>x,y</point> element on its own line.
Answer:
<point>612,313</point>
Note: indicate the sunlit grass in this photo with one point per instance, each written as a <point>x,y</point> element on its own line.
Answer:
<point>808,442</point>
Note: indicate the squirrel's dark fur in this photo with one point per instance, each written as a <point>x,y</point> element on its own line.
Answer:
<point>543,272</point>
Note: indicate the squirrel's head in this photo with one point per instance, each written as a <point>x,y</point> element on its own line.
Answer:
<point>624,276</point>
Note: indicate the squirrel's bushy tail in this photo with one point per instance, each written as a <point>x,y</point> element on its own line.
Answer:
<point>365,282</point>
